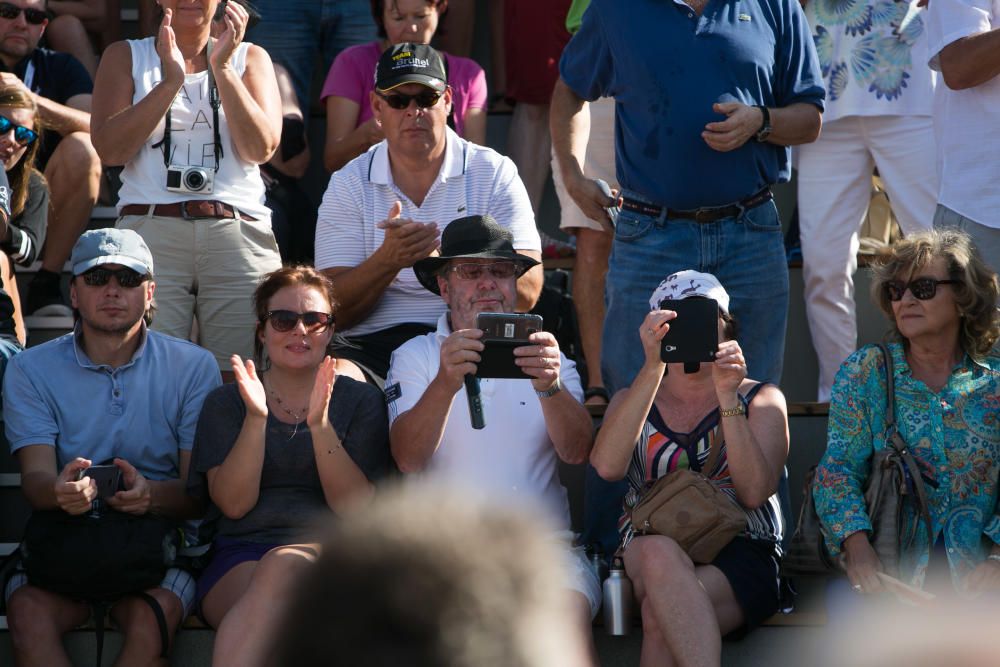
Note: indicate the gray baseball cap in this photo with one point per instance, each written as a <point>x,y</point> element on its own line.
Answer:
<point>111,246</point>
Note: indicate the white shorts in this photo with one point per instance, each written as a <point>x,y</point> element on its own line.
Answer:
<point>580,575</point>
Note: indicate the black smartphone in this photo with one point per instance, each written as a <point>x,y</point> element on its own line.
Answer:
<point>502,332</point>
<point>107,478</point>
<point>694,334</point>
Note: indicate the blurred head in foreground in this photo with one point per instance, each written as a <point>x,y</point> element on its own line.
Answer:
<point>429,578</point>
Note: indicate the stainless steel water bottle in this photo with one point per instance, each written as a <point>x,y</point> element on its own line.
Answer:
<point>617,600</point>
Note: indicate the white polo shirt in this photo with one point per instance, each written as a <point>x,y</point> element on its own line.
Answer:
<point>967,122</point>
<point>474,180</point>
<point>513,455</point>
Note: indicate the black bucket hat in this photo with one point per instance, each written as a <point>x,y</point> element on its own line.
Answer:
<point>475,236</point>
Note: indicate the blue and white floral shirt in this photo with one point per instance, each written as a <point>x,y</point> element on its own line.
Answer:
<point>873,55</point>
<point>954,435</point>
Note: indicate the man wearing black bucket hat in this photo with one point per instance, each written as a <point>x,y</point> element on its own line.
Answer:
<point>530,424</point>
<point>385,209</point>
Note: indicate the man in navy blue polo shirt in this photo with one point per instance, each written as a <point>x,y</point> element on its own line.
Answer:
<point>709,94</point>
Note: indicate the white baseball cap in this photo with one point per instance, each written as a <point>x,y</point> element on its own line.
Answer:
<point>687,283</point>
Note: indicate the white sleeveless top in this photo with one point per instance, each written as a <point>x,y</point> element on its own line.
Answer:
<point>144,179</point>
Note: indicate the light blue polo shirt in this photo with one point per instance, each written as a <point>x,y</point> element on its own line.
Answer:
<point>666,66</point>
<point>143,411</point>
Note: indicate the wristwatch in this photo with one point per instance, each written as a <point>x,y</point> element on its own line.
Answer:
<point>765,128</point>
<point>551,391</point>
<point>740,409</point>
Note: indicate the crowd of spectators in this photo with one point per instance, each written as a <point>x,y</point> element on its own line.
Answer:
<point>306,384</point>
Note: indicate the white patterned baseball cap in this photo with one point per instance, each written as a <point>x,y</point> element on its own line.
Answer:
<point>687,283</point>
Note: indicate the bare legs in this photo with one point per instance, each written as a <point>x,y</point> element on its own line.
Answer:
<point>685,609</point>
<point>74,176</point>
<point>248,602</point>
<point>591,267</point>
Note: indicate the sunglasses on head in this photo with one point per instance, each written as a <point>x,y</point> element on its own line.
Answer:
<point>472,271</point>
<point>921,288</point>
<point>127,278</point>
<point>32,16</point>
<point>286,320</point>
<point>24,136</point>
<point>425,99</point>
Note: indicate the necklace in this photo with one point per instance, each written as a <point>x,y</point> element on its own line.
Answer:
<point>298,416</point>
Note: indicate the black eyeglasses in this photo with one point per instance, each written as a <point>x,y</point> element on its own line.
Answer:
<point>425,99</point>
<point>32,16</point>
<point>921,288</point>
<point>24,136</point>
<point>127,278</point>
<point>472,271</point>
<point>286,320</point>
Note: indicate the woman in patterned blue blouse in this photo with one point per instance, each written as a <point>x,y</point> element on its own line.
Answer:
<point>941,299</point>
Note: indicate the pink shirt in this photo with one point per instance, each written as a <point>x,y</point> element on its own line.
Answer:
<point>352,76</point>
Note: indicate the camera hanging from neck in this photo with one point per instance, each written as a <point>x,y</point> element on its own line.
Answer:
<point>214,101</point>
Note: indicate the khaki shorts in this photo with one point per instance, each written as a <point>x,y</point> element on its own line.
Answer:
<point>207,268</point>
<point>598,163</point>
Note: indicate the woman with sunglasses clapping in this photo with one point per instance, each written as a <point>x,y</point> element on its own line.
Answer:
<point>941,299</point>
<point>22,238</point>
<point>191,118</point>
<point>284,446</point>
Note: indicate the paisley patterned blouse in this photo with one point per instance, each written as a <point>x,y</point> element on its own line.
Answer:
<point>954,435</point>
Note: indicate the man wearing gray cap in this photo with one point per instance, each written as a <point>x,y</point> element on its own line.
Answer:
<point>111,391</point>
<point>386,208</point>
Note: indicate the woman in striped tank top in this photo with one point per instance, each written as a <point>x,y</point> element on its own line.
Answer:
<point>667,420</point>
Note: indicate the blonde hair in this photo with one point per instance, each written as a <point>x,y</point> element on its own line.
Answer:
<point>976,292</point>
<point>19,177</point>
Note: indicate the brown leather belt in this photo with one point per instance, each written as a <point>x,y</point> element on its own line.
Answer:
<point>707,214</point>
<point>189,210</point>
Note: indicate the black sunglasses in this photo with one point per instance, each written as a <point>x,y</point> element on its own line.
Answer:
<point>127,278</point>
<point>286,320</point>
<point>24,136</point>
<point>425,99</point>
<point>921,288</point>
<point>32,16</point>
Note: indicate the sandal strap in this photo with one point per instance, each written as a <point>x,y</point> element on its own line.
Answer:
<point>597,391</point>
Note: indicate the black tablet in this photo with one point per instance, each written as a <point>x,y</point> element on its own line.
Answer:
<point>502,332</point>
<point>694,334</point>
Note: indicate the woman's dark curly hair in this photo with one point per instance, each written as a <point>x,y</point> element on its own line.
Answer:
<point>975,293</point>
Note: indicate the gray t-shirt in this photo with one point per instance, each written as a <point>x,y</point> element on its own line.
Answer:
<point>291,494</point>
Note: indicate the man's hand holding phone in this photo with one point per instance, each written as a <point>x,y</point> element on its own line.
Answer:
<point>459,356</point>
<point>540,360</point>
<point>74,494</point>
<point>137,497</point>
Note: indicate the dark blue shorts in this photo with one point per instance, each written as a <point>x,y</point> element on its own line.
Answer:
<point>227,553</point>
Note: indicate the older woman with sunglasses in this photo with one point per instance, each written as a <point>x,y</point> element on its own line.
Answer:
<point>941,299</point>
<point>191,118</point>
<point>22,237</point>
<point>284,446</point>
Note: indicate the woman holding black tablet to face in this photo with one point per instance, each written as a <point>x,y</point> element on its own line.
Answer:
<point>664,421</point>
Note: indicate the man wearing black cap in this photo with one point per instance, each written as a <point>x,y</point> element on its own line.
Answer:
<point>530,423</point>
<point>386,208</point>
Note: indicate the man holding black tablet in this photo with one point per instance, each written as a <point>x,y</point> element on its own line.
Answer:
<point>530,423</point>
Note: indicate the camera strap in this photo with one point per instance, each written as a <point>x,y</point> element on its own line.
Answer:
<point>215,101</point>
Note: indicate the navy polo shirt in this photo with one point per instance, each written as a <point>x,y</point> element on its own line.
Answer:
<point>55,76</point>
<point>666,66</point>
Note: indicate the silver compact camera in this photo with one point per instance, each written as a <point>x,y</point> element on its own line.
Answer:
<point>199,180</point>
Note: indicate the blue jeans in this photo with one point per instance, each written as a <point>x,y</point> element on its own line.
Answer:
<point>293,31</point>
<point>746,253</point>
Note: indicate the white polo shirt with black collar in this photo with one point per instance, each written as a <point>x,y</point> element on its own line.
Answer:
<point>474,180</point>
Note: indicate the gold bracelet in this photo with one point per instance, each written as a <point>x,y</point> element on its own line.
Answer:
<point>732,412</point>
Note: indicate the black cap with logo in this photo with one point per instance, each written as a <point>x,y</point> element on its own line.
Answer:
<point>410,63</point>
